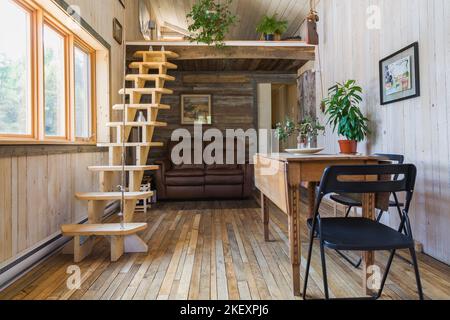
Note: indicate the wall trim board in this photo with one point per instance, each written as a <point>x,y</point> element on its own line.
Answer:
<point>28,261</point>
<point>39,150</point>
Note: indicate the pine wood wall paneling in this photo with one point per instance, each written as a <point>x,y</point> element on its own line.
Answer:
<point>5,207</point>
<point>418,127</point>
<point>36,197</point>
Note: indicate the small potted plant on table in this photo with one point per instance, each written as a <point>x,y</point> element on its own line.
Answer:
<point>272,28</point>
<point>308,129</point>
<point>345,116</point>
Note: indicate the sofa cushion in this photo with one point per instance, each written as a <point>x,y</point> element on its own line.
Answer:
<point>185,181</point>
<point>185,173</point>
<point>189,167</point>
<point>224,180</point>
<point>222,167</point>
<point>224,172</point>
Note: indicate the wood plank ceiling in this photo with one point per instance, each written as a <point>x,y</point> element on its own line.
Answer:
<point>249,12</point>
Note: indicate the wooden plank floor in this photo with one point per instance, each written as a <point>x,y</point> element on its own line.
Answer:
<point>214,250</point>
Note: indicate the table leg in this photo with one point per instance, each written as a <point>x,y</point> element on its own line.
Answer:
<point>294,235</point>
<point>368,256</point>
<point>265,215</point>
<point>311,198</point>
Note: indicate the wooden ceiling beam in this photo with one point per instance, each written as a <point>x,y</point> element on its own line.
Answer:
<point>285,53</point>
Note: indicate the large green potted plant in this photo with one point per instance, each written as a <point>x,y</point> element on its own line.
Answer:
<point>270,27</point>
<point>345,116</point>
<point>210,21</point>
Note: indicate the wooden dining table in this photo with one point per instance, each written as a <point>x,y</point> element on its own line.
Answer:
<point>279,177</point>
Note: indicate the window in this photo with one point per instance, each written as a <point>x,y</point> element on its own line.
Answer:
<point>83,95</point>
<point>47,77</point>
<point>54,83</point>
<point>15,70</point>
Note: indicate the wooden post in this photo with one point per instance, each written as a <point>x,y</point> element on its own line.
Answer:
<point>265,216</point>
<point>368,211</point>
<point>293,177</point>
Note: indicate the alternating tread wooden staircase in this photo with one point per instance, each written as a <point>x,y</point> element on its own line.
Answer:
<point>124,237</point>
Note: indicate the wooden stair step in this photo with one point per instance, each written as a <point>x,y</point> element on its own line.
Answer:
<point>128,91</point>
<point>149,77</point>
<point>137,124</point>
<point>119,168</point>
<point>168,54</point>
<point>106,196</point>
<point>131,144</point>
<point>153,65</point>
<point>107,229</point>
<point>142,106</point>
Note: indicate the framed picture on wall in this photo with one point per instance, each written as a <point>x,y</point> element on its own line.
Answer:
<point>196,109</point>
<point>117,31</point>
<point>400,75</point>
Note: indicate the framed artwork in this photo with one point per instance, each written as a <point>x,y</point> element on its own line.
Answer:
<point>400,75</point>
<point>117,31</point>
<point>123,4</point>
<point>196,109</point>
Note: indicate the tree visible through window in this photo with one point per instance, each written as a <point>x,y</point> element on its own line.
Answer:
<point>54,83</point>
<point>82,93</point>
<point>15,75</point>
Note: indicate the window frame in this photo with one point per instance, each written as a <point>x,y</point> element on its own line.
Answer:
<point>38,18</point>
<point>32,94</point>
<point>48,21</point>
<point>83,46</point>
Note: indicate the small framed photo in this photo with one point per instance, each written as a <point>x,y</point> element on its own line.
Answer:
<point>117,31</point>
<point>400,75</point>
<point>196,109</point>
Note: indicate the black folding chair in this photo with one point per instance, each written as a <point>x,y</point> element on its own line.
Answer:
<point>351,203</point>
<point>362,234</point>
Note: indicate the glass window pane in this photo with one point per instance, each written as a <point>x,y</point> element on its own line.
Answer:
<point>82,94</point>
<point>54,83</point>
<point>15,69</point>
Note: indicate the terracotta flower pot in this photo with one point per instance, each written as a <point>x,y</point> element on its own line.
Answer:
<point>348,146</point>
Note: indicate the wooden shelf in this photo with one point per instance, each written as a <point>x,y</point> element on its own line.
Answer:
<point>119,168</point>
<point>149,77</point>
<point>106,196</point>
<point>167,54</point>
<point>137,124</point>
<point>107,229</point>
<point>119,107</point>
<point>128,91</point>
<point>153,65</point>
<point>131,144</point>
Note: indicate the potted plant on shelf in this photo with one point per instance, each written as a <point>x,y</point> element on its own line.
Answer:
<point>271,27</point>
<point>308,129</point>
<point>210,22</point>
<point>345,116</point>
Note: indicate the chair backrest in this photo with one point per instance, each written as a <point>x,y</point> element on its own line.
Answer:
<point>396,158</point>
<point>332,183</point>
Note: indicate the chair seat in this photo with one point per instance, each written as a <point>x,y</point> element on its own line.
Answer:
<point>361,234</point>
<point>350,202</point>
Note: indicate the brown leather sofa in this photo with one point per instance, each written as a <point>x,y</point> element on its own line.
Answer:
<point>202,181</point>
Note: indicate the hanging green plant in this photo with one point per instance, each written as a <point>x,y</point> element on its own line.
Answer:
<point>211,21</point>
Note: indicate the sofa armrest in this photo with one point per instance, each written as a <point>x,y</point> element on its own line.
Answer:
<point>160,177</point>
<point>248,179</point>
